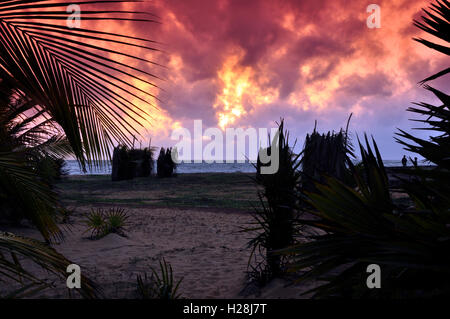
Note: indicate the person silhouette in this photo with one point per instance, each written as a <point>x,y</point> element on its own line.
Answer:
<point>404,161</point>
<point>415,162</point>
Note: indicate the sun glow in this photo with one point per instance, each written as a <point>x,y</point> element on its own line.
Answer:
<point>240,91</point>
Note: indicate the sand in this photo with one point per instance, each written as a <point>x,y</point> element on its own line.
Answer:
<point>193,221</point>
<point>205,248</point>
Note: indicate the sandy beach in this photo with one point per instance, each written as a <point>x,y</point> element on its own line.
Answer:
<point>193,221</point>
<point>196,229</point>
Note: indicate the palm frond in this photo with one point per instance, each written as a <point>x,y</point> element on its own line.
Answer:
<point>436,22</point>
<point>45,257</point>
<point>437,148</point>
<point>78,76</point>
<point>364,225</point>
<point>30,196</point>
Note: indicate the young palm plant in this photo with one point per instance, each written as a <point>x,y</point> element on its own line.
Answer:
<point>363,225</point>
<point>274,224</point>
<point>116,220</point>
<point>95,223</point>
<point>102,222</point>
<point>159,286</point>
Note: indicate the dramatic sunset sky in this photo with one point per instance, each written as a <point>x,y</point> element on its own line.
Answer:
<point>242,63</point>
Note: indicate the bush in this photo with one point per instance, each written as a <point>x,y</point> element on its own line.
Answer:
<point>122,168</point>
<point>103,222</point>
<point>50,169</point>
<point>275,222</point>
<point>159,286</point>
<point>147,162</point>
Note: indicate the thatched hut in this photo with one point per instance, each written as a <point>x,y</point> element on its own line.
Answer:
<point>165,164</point>
<point>325,155</point>
<point>130,163</point>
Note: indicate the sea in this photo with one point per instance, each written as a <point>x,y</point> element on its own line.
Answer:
<point>73,168</point>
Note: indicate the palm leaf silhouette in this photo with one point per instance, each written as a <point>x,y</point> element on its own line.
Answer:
<point>436,22</point>
<point>83,84</point>
<point>83,81</point>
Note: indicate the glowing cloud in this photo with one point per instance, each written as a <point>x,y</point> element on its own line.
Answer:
<point>239,89</point>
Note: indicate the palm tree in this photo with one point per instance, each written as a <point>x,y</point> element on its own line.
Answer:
<point>78,81</point>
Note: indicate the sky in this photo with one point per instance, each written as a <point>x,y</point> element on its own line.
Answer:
<point>248,63</point>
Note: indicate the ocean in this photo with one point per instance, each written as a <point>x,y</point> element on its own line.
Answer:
<point>73,168</point>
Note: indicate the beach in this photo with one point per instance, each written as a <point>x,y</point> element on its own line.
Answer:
<point>192,221</point>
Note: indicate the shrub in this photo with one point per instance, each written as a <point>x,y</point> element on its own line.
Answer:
<point>50,168</point>
<point>130,163</point>
<point>96,223</point>
<point>147,162</point>
<point>275,222</point>
<point>116,221</point>
<point>101,222</point>
<point>122,168</point>
<point>159,286</point>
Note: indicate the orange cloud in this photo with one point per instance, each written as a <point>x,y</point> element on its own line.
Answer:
<point>250,62</point>
<point>238,89</point>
